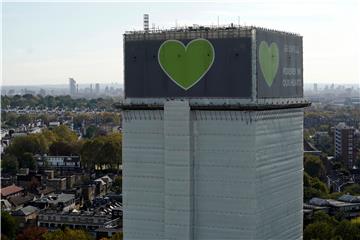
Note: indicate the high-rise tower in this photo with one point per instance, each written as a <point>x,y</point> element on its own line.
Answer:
<point>72,86</point>
<point>212,144</point>
<point>345,149</point>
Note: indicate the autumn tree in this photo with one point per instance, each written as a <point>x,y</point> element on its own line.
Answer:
<point>102,151</point>
<point>117,236</point>
<point>68,234</point>
<point>347,230</point>
<point>61,149</point>
<point>64,133</point>
<point>32,233</point>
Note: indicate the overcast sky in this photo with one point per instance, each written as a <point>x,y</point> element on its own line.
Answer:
<point>46,43</point>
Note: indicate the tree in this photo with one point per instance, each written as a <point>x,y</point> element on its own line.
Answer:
<point>110,154</point>
<point>313,187</point>
<point>314,166</point>
<point>10,119</point>
<point>353,189</point>
<point>63,133</point>
<point>117,236</point>
<point>33,143</point>
<point>34,183</point>
<point>8,225</point>
<point>10,164</point>
<point>89,153</point>
<point>91,131</point>
<point>67,234</point>
<point>102,151</point>
<point>49,136</point>
<point>32,233</point>
<point>23,119</point>
<point>27,160</point>
<point>61,149</point>
<point>321,216</point>
<point>347,230</point>
<point>319,231</point>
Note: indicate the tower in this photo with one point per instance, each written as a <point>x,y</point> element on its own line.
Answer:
<point>212,134</point>
<point>97,88</point>
<point>345,149</point>
<point>72,86</point>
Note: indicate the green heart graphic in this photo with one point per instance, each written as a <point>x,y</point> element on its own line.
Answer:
<point>186,65</point>
<point>269,61</point>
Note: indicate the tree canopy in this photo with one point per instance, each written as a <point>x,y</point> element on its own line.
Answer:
<point>68,234</point>
<point>8,225</point>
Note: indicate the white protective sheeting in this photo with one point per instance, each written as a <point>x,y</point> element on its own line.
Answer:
<point>212,174</point>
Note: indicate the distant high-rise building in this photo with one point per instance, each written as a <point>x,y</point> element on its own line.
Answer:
<point>72,86</point>
<point>42,92</point>
<point>97,88</point>
<point>315,87</point>
<point>345,149</point>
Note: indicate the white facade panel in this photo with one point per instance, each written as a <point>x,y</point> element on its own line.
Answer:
<point>143,175</point>
<point>213,174</point>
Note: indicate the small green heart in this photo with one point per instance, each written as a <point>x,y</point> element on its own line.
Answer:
<point>186,65</point>
<point>269,61</point>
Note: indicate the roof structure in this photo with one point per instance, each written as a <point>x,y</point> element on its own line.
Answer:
<point>107,178</point>
<point>101,181</point>
<point>349,198</point>
<point>20,200</point>
<point>25,211</point>
<point>61,198</point>
<point>12,189</point>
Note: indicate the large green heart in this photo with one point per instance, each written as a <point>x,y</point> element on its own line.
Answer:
<point>186,65</point>
<point>269,61</point>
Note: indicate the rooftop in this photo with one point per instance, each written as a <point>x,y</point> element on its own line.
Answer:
<point>343,125</point>
<point>25,211</point>
<point>19,200</point>
<point>330,202</point>
<point>198,28</point>
<point>6,191</point>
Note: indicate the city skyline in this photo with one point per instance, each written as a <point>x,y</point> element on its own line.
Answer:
<point>50,42</point>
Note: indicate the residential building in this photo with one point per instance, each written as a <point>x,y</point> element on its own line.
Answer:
<point>222,157</point>
<point>26,216</point>
<point>108,219</point>
<point>345,149</point>
<point>350,209</point>
<point>59,163</point>
<point>59,184</point>
<point>20,201</point>
<point>11,191</point>
<point>59,202</point>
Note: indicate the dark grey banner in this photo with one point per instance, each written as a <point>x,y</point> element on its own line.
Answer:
<point>279,65</point>
<point>196,68</point>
